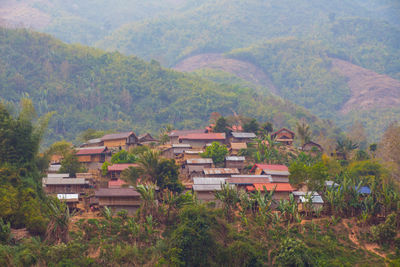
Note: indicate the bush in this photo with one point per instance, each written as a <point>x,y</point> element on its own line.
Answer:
<point>385,233</point>
<point>5,232</point>
<point>293,252</point>
<point>37,225</point>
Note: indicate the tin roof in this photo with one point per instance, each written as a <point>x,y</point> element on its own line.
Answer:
<point>243,135</point>
<point>121,166</point>
<point>58,175</point>
<point>208,171</point>
<point>251,176</point>
<point>193,152</point>
<point>233,158</point>
<point>207,187</point>
<point>271,167</point>
<point>209,180</point>
<point>316,199</point>
<point>238,146</point>
<point>204,136</point>
<point>116,192</point>
<point>91,150</point>
<point>67,196</point>
<point>54,168</point>
<point>247,180</point>
<point>279,187</point>
<point>199,161</point>
<point>64,181</point>
<point>181,145</point>
<point>302,193</point>
<point>277,173</point>
<point>185,132</point>
<point>278,179</point>
<point>117,136</point>
<point>94,141</point>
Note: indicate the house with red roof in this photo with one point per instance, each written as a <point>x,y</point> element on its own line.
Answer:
<point>115,170</point>
<point>275,170</point>
<point>200,140</point>
<point>284,136</point>
<point>281,190</point>
<point>93,157</point>
<point>119,141</point>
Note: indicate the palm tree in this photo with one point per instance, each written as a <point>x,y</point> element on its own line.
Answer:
<point>149,202</point>
<point>58,228</point>
<point>148,162</point>
<point>345,147</point>
<point>303,132</point>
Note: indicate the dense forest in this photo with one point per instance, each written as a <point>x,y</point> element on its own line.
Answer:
<point>89,88</point>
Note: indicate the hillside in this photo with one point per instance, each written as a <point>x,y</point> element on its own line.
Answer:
<point>92,89</point>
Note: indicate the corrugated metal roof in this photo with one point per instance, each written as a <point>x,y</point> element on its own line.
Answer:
<point>233,158</point>
<point>117,136</point>
<point>94,141</point>
<point>175,133</point>
<point>199,161</point>
<point>207,187</point>
<point>58,175</point>
<point>243,135</point>
<point>116,192</point>
<point>64,181</point>
<point>247,180</point>
<point>271,167</point>
<point>277,173</point>
<point>91,150</point>
<point>279,187</point>
<point>279,180</point>
<point>193,152</point>
<point>181,145</point>
<point>121,166</point>
<point>204,136</point>
<point>316,199</point>
<point>208,171</point>
<point>302,193</point>
<point>238,146</point>
<point>209,180</point>
<point>54,168</point>
<point>67,196</point>
<point>364,190</point>
<point>251,176</point>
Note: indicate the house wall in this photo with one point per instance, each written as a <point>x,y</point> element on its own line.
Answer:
<point>115,143</point>
<point>120,201</point>
<point>84,158</point>
<point>240,140</point>
<point>62,189</point>
<point>234,164</point>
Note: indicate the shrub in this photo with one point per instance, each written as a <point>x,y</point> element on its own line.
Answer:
<point>385,233</point>
<point>293,252</point>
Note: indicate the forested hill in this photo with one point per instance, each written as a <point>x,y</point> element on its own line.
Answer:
<point>90,88</point>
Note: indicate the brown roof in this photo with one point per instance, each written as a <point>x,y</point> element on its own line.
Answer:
<point>121,166</point>
<point>247,180</point>
<point>204,136</point>
<point>146,137</point>
<point>91,151</point>
<point>117,136</point>
<point>184,132</point>
<point>270,167</point>
<point>116,192</point>
<point>281,130</point>
<point>238,145</point>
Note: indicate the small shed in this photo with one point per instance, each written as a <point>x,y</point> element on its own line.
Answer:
<point>312,147</point>
<point>196,166</point>
<point>240,137</point>
<point>119,198</point>
<point>284,136</point>
<point>236,147</point>
<point>200,140</point>
<point>62,185</point>
<point>235,162</point>
<point>302,198</point>
<point>205,188</point>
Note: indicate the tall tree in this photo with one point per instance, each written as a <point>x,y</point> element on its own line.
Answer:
<point>303,132</point>
<point>221,126</point>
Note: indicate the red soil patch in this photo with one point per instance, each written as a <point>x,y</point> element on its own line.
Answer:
<point>368,88</point>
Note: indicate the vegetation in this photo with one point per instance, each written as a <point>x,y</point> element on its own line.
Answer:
<point>216,152</point>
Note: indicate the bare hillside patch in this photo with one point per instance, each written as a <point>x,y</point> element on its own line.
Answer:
<point>368,88</point>
<point>244,70</point>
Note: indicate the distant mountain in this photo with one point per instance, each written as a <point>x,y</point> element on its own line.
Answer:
<point>92,89</point>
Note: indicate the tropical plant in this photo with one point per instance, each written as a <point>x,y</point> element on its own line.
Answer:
<point>303,132</point>
<point>58,227</point>
<point>229,196</point>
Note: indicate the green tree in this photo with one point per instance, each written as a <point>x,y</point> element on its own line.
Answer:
<point>216,151</point>
<point>293,252</point>
<point>221,126</point>
<point>123,156</point>
<point>303,132</point>
<point>70,164</point>
<point>314,175</point>
<point>252,126</point>
<point>168,176</point>
<point>58,227</point>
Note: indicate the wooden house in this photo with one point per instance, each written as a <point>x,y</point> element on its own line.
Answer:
<point>276,171</point>
<point>174,135</point>
<point>119,141</point>
<point>282,190</point>
<point>62,185</point>
<point>93,143</point>
<point>200,140</point>
<point>236,147</point>
<point>240,137</point>
<point>119,199</point>
<point>284,136</point>
<point>147,139</point>
<point>72,200</point>
<point>235,162</point>
<point>312,147</point>
<point>180,148</point>
<point>220,172</point>
<point>205,188</point>
<point>93,157</point>
<point>115,170</point>
<point>195,167</point>
<point>302,198</point>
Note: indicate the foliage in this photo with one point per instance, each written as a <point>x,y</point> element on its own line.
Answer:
<point>293,252</point>
<point>385,232</point>
<point>58,227</point>
<point>168,176</point>
<point>70,164</point>
<point>123,156</point>
<point>221,126</point>
<point>216,151</point>
<point>252,126</point>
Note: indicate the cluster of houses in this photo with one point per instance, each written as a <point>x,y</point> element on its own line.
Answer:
<point>199,175</point>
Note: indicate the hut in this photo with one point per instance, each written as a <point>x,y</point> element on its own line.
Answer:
<point>200,140</point>
<point>302,198</point>
<point>93,157</point>
<point>236,147</point>
<point>234,162</point>
<point>119,141</point>
<point>119,199</point>
<point>284,136</point>
<point>205,188</point>
<point>196,166</point>
<point>240,137</point>
<point>147,139</point>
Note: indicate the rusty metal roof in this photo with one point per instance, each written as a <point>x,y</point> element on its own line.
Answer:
<point>181,145</point>
<point>117,136</point>
<point>91,150</point>
<point>193,152</point>
<point>64,181</point>
<point>279,187</point>
<point>247,180</point>
<point>199,161</point>
<point>209,180</point>
<point>204,136</point>
<point>277,173</point>
<point>210,171</point>
<point>121,166</point>
<point>116,192</point>
<point>271,167</point>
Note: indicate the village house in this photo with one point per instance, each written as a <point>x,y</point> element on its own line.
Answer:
<point>119,199</point>
<point>312,147</point>
<point>200,140</point>
<point>115,170</point>
<point>72,200</point>
<point>93,157</point>
<point>180,148</point>
<point>276,171</point>
<point>281,190</point>
<point>93,143</point>
<point>241,181</point>
<point>174,135</point>
<point>284,136</point>
<point>63,185</point>
<point>236,147</point>
<point>220,172</point>
<point>303,198</point>
<point>147,139</point>
<point>193,154</point>
<point>239,137</point>
<point>120,141</point>
<point>205,188</point>
<point>195,167</point>
<point>234,162</point>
